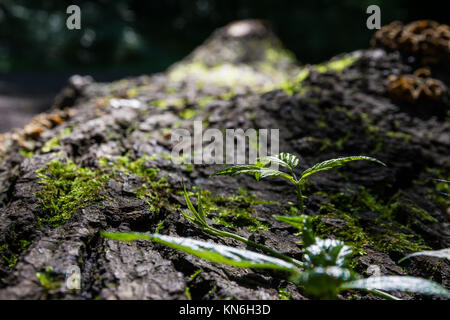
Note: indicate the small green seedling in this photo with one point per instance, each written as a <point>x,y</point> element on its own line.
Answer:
<point>443,254</point>
<point>324,273</point>
<point>325,270</point>
<point>261,170</point>
<point>198,217</point>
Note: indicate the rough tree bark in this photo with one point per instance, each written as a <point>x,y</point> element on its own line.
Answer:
<point>241,77</point>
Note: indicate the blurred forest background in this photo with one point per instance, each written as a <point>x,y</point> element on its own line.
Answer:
<point>129,37</point>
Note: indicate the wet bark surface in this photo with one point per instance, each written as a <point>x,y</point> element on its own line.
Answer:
<point>383,212</point>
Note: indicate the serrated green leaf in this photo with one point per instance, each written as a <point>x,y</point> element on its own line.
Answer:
<point>327,253</point>
<point>286,160</point>
<point>239,169</point>
<point>335,163</point>
<point>259,172</point>
<point>444,253</point>
<point>210,251</point>
<point>268,172</point>
<point>400,283</point>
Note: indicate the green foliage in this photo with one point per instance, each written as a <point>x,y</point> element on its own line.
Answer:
<point>233,211</point>
<point>260,170</point>
<point>326,253</point>
<point>154,190</point>
<point>257,170</point>
<point>401,283</point>
<point>335,163</point>
<point>351,232</point>
<point>48,279</point>
<point>294,86</point>
<point>286,160</point>
<point>345,206</point>
<point>9,257</point>
<point>324,282</point>
<point>198,217</point>
<point>392,241</point>
<point>11,251</point>
<point>188,113</point>
<point>325,271</point>
<point>210,251</point>
<point>26,154</point>
<point>336,65</point>
<point>54,142</point>
<point>284,294</point>
<point>136,167</point>
<point>444,253</point>
<point>440,191</point>
<point>66,188</point>
<point>195,274</point>
<point>51,144</point>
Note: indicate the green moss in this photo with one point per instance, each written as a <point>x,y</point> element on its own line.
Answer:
<point>322,124</point>
<point>187,290</point>
<point>54,142</point>
<point>154,190</point>
<point>10,252</point>
<point>235,211</point>
<point>283,294</point>
<point>171,90</point>
<point>66,188</point>
<point>274,56</point>
<point>187,293</point>
<point>189,167</point>
<point>414,213</point>
<point>294,86</point>
<point>351,233</point>
<point>195,274</point>
<point>188,113</point>
<point>395,214</point>
<point>159,226</point>
<point>26,154</point>
<point>228,95</point>
<point>51,144</point>
<point>8,256</point>
<point>391,241</point>
<point>171,101</point>
<point>293,210</point>
<point>399,135</point>
<point>336,65</point>
<point>340,142</point>
<point>132,92</point>
<point>136,167</point>
<point>204,101</point>
<point>48,279</point>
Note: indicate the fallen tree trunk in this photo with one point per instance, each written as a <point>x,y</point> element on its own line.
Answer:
<point>101,160</point>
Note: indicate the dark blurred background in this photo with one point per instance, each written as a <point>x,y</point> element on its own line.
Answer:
<point>130,37</point>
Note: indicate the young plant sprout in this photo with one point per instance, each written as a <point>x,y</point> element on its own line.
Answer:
<point>325,271</point>
<point>261,170</point>
<point>198,217</point>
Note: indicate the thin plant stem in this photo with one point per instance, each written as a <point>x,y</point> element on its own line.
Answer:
<point>298,190</point>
